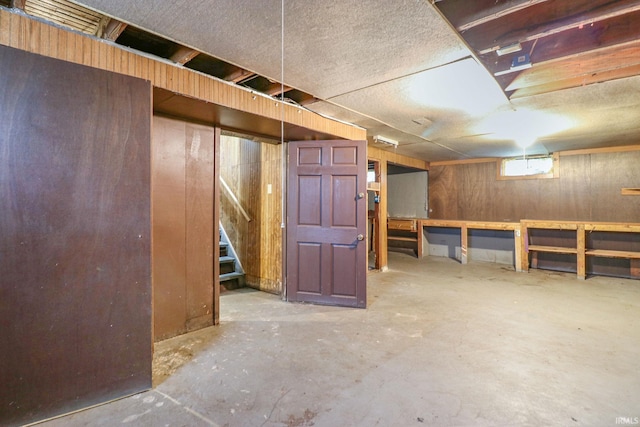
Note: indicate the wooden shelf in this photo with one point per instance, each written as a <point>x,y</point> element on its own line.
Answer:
<point>403,239</point>
<point>606,253</point>
<point>554,249</point>
<point>406,225</point>
<point>581,250</point>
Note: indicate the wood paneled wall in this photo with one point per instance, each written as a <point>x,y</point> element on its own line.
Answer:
<point>182,201</point>
<point>22,32</point>
<point>249,168</point>
<point>75,267</point>
<point>588,189</point>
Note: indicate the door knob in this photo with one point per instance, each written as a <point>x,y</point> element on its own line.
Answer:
<point>360,237</point>
<point>360,195</point>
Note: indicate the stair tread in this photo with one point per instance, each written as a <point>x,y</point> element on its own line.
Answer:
<point>229,276</point>
<point>227,259</point>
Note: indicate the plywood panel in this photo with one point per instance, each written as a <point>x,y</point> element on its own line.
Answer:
<point>443,192</point>
<point>169,227</point>
<point>609,173</point>
<point>184,226</point>
<point>200,228</point>
<point>588,189</point>
<point>75,291</point>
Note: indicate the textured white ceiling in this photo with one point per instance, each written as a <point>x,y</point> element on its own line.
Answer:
<point>384,65</point>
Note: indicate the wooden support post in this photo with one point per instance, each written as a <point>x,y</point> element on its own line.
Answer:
<point>580,256</point>
<point>420,238</point>
<point>382,256</point>
<point>518,248</point>
<point>524,247</point>
<point>464,238</point>
<point>635,267</point>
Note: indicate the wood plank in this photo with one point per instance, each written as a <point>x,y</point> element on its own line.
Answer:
<point>518,249</point>
<point>168,204</point>
<point>552,249</point>
<point>466,16</point>
<point>543,20</point>
<point>577,40</point>
<point>581,80</point>
<point>553,225</point>
<point>616,149</point>
<point>183,55</point>
<point>398,159</point>
<point>402,238</point>
<point>630,191</point>
<point>382,255</point>
<point>583,64</point>
<point>464,243</point>
<point>580,251</point>
<point>635,267</point>
<point>200,228</point>
<point>613,254</point>
<point>216,222</point>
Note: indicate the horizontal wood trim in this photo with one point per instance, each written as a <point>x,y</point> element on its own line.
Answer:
<point>476,225</point>
<point>466,161</point>
<point>403,239</point>
<point>22,32</point>
<point>401,224</point>
<point>618,149</point>
<point>553,249</point>
<point>552,225</point>
<point>630,191</point>
<point>613,254</point>
<point>374,153</point>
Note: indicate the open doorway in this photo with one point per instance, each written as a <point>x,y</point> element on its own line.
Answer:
<point>408,203</point>
<point>250,214</point>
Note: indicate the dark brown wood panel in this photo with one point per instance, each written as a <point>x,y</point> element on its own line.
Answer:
<point>200,227</point>
<point>183,226</point>
<point>75,287</point>
<point>169,228</point>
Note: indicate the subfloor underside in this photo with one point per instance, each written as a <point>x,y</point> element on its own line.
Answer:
<point>440,344</point>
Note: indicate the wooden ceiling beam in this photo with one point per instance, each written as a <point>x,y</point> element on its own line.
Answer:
<point>239,75</point>
<point>580,65</point>
<point>584,80</point>
<point>545,19</point>
<point>492,12</point>
<point>183,55</point>
<point>276,89</point>
<point>18,4</point>
<point>601,34</point>
<point>112,29</point>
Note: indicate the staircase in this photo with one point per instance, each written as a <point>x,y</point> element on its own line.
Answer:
<point>231,272</point>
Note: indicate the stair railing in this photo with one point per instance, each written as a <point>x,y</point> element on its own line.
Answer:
<point>235,200</point>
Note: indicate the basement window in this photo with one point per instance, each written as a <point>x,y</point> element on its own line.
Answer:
<point>533,167</point>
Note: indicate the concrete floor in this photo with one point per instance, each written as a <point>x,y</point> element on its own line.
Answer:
<point>440,344</point>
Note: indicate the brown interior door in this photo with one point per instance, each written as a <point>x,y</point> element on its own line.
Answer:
<point>326,223</point>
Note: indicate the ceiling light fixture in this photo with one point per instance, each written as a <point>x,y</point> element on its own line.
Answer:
<point>512,48</point>
<point>383,140</point>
